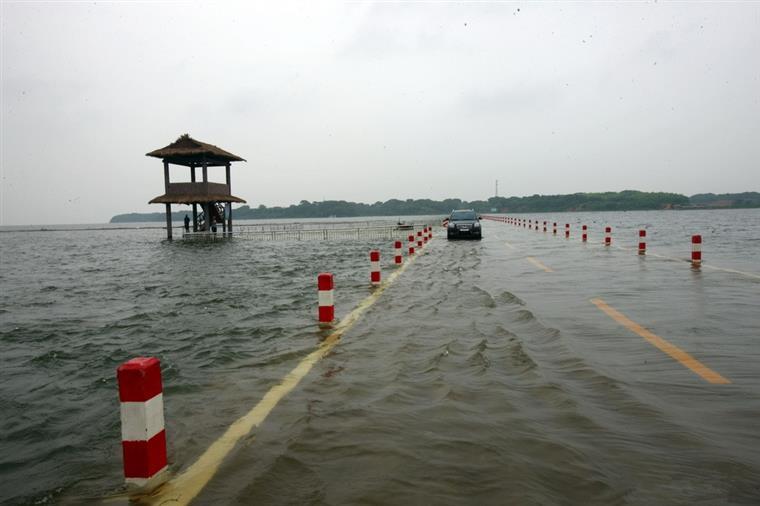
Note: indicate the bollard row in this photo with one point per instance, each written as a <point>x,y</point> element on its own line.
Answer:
<point>696,240</point>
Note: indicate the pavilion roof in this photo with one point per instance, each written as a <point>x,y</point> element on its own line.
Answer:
<point>188,151</point>
<point>194,199</point>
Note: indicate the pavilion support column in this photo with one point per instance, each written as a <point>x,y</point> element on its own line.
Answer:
<point>169,221</point>
<point>229,218</point>
<point>229,204</point>
<point>195,206</point>
<point>168,206</point>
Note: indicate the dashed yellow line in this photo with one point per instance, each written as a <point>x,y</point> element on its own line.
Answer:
<point>671,349</point>
<point>184,487</point>
<point>539,264</point>
<point>509,245</point>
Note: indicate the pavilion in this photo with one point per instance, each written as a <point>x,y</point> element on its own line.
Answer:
<point>215,199</point>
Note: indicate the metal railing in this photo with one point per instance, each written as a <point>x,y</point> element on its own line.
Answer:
<point>287,232</point>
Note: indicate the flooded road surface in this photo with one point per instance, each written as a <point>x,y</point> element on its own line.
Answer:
<point>484,374</point>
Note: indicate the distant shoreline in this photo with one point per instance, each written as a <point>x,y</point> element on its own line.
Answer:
<point>628,200</point>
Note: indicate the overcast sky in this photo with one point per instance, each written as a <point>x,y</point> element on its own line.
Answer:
<point>366,102</point>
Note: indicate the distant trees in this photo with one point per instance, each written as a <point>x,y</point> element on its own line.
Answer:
<point>627,200</point>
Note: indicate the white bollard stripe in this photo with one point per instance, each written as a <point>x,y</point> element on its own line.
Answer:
<point>140,421</point>
<point>326,298</point>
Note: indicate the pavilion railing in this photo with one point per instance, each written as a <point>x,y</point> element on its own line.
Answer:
<point>290,233</point>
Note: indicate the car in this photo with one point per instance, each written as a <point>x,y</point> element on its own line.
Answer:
<point>464,224</point>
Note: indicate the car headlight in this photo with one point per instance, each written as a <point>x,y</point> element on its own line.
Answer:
<point>451,224</point>
<point>476,225</point>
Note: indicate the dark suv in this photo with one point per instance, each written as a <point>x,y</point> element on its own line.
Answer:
<point>464,223</point>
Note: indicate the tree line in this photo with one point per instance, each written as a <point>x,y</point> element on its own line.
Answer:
<point>628,200</point>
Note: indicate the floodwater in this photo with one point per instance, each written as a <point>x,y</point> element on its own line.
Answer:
<point>483,375</point>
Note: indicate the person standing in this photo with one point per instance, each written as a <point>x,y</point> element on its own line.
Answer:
<point>187,223</point>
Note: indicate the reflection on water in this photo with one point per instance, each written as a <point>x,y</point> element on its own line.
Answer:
<point>477,378</point>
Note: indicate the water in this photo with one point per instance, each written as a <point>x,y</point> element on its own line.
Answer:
<point>477,378</point>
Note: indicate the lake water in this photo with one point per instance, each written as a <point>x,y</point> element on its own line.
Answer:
<point>479,377</point>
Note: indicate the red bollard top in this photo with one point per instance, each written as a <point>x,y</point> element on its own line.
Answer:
<point>642,233</point>
<point>325,281</point>
<point>397,244</point>
<point>374,256</point>
<point>608,229</point>
<point>411,238</point>
<point>139,379</point>
<point>585,227</point>
<point>696,239</point>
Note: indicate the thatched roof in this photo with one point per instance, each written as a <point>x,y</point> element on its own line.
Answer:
<point>188,151</point>
<point>197,199</point>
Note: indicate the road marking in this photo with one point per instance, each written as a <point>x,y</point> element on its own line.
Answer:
<point>184,487</point>
<point>674,351</point>
<point>539,264</point>
<point>748,274</point>
<point>509,245</point>
<point>706,266</point>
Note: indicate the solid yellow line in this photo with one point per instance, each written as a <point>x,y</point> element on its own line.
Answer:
<point>748,274</point>
<point>539,264</point>
<point>671,349</point>
<point>186,486</point>
<point>706,266</point>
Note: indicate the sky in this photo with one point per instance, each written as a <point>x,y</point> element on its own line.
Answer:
<point>371,101</point>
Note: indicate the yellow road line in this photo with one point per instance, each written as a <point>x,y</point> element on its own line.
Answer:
<point>674,351</point>
<point>706,266</point>
<point>539,264</point>
<point>748,274</point>
<point>184,487</point>
<point>509,245</point>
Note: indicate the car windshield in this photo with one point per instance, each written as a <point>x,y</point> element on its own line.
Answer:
<point>463,215</point>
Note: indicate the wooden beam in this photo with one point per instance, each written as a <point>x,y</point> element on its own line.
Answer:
<point>168,218</point>
<point>229,218</point>
<point>166,176</point>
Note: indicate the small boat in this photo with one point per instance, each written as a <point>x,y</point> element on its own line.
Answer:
<point>404,226</point>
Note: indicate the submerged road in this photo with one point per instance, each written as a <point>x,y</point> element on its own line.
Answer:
<point>522,369</point>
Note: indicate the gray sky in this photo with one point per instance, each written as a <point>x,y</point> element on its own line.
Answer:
<point>366,102</point>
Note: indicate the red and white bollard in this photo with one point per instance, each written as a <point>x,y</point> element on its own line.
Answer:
<point>584,236</point>
<point>430,233</point>
<point>419,238</point>
<point>696,250</point>
<point>143,438</point>
<point>325,286</point>
<point>642,242</point>
<point>554,228</point>
<point>374,267</point>
<point>608,236</point>
<point>567,231</point>
<point>425,235</point>
<point>411,245</point>
<point>398,258</point>
<point>544,226</point>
